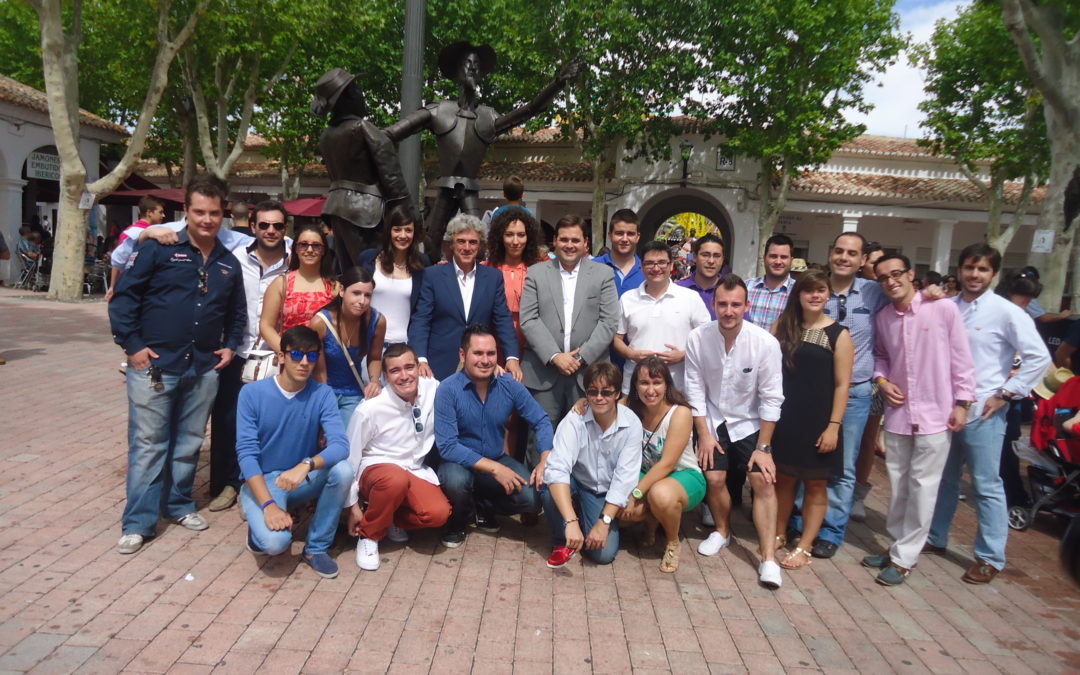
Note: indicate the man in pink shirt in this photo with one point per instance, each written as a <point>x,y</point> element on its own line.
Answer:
<point>924,368</point>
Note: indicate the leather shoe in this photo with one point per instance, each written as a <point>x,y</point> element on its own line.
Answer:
<point>892,575</point>
<point>981,572</point>
<point>225,499</point>
<point>823,549</point>
<point>936,550</point>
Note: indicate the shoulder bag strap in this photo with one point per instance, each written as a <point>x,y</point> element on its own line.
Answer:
<point>344,348</point>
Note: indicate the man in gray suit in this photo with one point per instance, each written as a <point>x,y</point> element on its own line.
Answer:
<point>569,313</point>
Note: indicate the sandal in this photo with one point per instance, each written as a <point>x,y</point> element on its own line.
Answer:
<point>805,555</point>
<point>670,562</point>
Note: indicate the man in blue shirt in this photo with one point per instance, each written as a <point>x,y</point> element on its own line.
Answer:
<point>179,313</point>
<point>277,445</point>
<point>472,407</point>
<point>622,259</point>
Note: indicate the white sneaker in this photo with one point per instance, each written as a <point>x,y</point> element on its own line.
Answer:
<point>769,574</point>
<point>397,534</point>
<point>713,544</point>
<point>367,554</point>
<point>193,521</point>
<point>706,516</point>
<point>129,543</point>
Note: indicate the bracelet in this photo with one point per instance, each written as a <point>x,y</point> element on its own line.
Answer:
<point>832,422</point>
<point>571,521</point>
<point>268,502</point>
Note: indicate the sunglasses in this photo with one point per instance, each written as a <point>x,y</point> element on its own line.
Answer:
<point>203,288</point>
<point>280,227</point>
<point>298,355</point>
<point>841,300</point>
<point>593,392</point>
<point>417,424</point>
<point>317,248</point>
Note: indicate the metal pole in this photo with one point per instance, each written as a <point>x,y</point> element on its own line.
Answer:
<point>412,78</point>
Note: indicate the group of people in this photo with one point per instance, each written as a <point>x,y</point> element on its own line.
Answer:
<point>597,392</point>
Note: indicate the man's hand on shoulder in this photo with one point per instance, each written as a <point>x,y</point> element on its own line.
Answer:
<point>160,234</point>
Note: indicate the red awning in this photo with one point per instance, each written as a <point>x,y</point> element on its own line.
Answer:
<point>308,207</point>
<point>175,195</point>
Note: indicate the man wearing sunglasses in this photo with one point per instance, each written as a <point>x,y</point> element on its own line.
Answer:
<point>389,437</point>
<point>179,313</point>
<point>277,444</point>
<point>262,259</point>
<point>924,368</point>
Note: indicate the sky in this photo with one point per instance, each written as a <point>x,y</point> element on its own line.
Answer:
<point>896,102</point>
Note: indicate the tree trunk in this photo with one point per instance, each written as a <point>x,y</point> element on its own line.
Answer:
<point>1064,159</point>
<point>771,206</point>
<point>599,216</point>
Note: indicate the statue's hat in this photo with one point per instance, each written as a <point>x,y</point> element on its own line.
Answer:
<point>329,88</point>
<point>450,57</point>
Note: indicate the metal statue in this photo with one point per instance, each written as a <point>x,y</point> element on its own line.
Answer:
<point>464,129</point>
<point>365,176</point>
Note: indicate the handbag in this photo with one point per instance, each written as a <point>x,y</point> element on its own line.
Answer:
<point>259,365</point>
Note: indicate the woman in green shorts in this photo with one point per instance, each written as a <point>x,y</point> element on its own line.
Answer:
<point>671,482</point>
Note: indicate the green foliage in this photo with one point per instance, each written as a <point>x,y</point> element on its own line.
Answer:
<point>20,43</point>
<point>982,105</point>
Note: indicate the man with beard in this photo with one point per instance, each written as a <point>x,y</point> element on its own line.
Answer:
<point>769,293</point>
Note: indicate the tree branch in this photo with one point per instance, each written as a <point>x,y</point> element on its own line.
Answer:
<point>1015,14</point>
<point>975,180</point>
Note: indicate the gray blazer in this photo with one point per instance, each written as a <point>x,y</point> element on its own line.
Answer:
<point>596,316</point>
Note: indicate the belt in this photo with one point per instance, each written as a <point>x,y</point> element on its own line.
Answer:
<point>356,187</point>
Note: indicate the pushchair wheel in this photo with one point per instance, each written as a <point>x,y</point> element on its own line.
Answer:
<point>1020,518</point>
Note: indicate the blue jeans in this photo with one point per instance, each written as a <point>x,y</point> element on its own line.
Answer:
<point>979,444</point>
<point>330,486</point>
<point>588,506</point>
<point>465,487</point>
<point>346,404</point>
<point>842,490</point>
<point>165,431</point>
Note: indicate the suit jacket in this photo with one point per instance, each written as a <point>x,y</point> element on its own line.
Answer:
<point>592,327</point>
<point>436,326</point>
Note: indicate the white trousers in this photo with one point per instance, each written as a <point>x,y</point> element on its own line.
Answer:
<point>915,465</point>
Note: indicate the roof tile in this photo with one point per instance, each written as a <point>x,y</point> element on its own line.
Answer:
<point>25,96</point>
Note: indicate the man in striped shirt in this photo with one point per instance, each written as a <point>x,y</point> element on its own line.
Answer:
<point>769,293</point>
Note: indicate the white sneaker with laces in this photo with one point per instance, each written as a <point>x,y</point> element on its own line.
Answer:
<point>706,516</point>
<point>129,543</point>
<point>769,574</point>
<point>367,554</point>
<point>193,521</point>
<point>713,544</point>
<point>397,534</point>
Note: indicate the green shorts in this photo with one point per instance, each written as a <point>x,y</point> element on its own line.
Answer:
<point>691,480</point>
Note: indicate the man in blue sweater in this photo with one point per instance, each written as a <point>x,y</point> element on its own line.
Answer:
<point>277,444</point>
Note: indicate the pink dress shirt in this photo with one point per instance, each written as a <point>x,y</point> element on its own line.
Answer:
<point>924,351</point>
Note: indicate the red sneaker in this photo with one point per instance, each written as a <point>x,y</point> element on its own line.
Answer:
<point>560,555</point>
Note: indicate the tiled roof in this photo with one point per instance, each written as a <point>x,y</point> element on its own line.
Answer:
<point>885,146</point>
<point>520,135</point>
<point>548,172</point>
<point>882,186</point>
<point>25,96</point>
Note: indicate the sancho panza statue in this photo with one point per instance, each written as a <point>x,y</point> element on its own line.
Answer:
<point>464,129</point>
<point>365,176</point>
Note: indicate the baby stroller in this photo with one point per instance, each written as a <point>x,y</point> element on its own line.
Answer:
<point>1053,458</point>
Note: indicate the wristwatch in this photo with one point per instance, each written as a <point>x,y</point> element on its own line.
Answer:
<point>1005,394</point>
<point>966,405</point>
<point>310,463</point>
<point>765,447</point>
<point>606,519</point>
<point>637,493</point>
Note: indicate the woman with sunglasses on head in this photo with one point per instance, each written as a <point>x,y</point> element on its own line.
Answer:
<point>397,267</point>
<point>291,300</point>
<point>818,359</point>
<point>671,483</point>
<point>352,334</point>
<point>950,286</point>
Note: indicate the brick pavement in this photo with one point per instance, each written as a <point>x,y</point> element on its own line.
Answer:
<point>198,602</point>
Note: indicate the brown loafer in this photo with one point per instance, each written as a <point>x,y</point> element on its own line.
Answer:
<point>981,572</point>
<point>937,550</point>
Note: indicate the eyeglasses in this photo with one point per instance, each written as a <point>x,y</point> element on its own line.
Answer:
<point>593,392</point>
<point>317,248</point>
<point>841,300</point>
<point>417,424</point>
<point>280,227</point>
<point>895,274</point>
<point>298,355</point>
<point>203,287</point>
<point>655,263</point>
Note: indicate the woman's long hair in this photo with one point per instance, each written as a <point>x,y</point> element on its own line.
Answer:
<point>326,265</point>
<point>652,366</point>
<point>353,275</point>
<point>400,215</point>
<point>789,325</point>
<point>497,248</point>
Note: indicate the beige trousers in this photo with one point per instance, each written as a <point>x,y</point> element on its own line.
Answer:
<point>915,465</point>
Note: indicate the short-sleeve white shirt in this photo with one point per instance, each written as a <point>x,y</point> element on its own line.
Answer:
<point>652,323</point>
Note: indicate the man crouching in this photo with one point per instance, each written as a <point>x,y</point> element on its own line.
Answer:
<point>278,421</point>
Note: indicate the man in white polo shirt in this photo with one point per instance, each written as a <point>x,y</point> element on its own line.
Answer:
<point>656,317</point>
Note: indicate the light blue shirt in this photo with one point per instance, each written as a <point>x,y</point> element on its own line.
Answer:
<point>997,331</point>
<point>855,310</point>
<point>603,461</point>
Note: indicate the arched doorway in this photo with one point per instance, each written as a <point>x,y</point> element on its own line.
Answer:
<point>677,215</point>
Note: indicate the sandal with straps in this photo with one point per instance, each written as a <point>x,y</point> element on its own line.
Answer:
<point>797,552</point>
<point>670,562</point>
